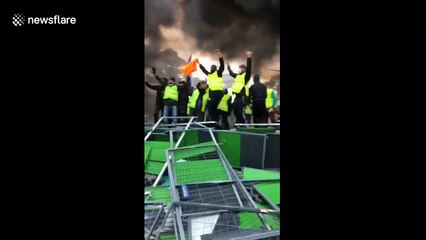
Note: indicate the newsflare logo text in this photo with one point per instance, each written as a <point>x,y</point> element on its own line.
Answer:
<point>19,19</point>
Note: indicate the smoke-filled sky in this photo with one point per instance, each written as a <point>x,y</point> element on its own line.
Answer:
<point>198,27</point>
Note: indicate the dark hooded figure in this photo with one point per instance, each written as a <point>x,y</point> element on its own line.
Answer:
<point>159,96</point>
<point>184,88</point>
<point>257,95</point>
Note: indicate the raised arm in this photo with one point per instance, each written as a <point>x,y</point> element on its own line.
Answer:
<point>159,79</point>
<point>188,84</point>
<point>222,64</point>
<point>153,87</point>
<point>248,70</point>
<point>202,68</point>
<point>231,72</point>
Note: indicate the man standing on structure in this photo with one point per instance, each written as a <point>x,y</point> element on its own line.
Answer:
<point>215,81</point>
<point>159,96</point>
<point>239,87</point>
<point>170,100</point>
<point>224,107</point>
<point>184,89</point>
<point>170,97</point>
<point>198,101</point>
<point>257,95</point>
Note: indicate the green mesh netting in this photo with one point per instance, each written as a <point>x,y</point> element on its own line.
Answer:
<point>158,194</point>
<point>200,171</point>
<point>153,167</point>
<point>192,152</point>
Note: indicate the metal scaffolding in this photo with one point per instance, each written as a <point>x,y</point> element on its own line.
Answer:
<point>207,197</point>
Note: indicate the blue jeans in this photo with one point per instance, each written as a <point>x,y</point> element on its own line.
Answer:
<point>166,112</point>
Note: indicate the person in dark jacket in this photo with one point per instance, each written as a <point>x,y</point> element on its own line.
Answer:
<point>239,88</point>
<point>257,95</point>
<point>215,81</point>
<point>158,98</point>
<point>184,88</point>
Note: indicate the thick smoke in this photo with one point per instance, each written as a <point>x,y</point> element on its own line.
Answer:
<point>233,26</point>
<point>157,13</point>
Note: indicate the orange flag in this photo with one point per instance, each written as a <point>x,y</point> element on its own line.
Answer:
<point>189,67</point>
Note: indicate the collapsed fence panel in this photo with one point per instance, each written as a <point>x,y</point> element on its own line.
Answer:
<point>200,171</point>
<point>158,221</point>
<point>242,149</point>
<point>216,204</point>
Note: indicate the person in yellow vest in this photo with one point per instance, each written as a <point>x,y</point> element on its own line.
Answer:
<point>248,112</point>
<point>170,100</point>
<point>224,107</point>
<point>198,101</point>
<point>271,103</point>
<point>239,87</point>
<point>248,106</point>
<point>215,81</point>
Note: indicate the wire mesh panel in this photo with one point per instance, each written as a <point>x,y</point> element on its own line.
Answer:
<point>154,215</point>
<point>212,193</point>
<point>199,163</point>
<point>222,224</point>
<point>200,171</point>
<point>202,151</point>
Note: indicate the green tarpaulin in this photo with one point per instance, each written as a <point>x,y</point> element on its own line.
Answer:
<point>271,190</point>
<point>259,174</point>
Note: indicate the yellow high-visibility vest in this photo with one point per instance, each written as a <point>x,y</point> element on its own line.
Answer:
<point>248,85</point>
<point>193,100</point>
<point>171,92</point>
<point>248,110</point>
<point>239,83</point>
<point>215,82</point>
<point>269,100</point>
<point>223,104</point>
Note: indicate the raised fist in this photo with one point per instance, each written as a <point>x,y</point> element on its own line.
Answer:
<point>248,53</point>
